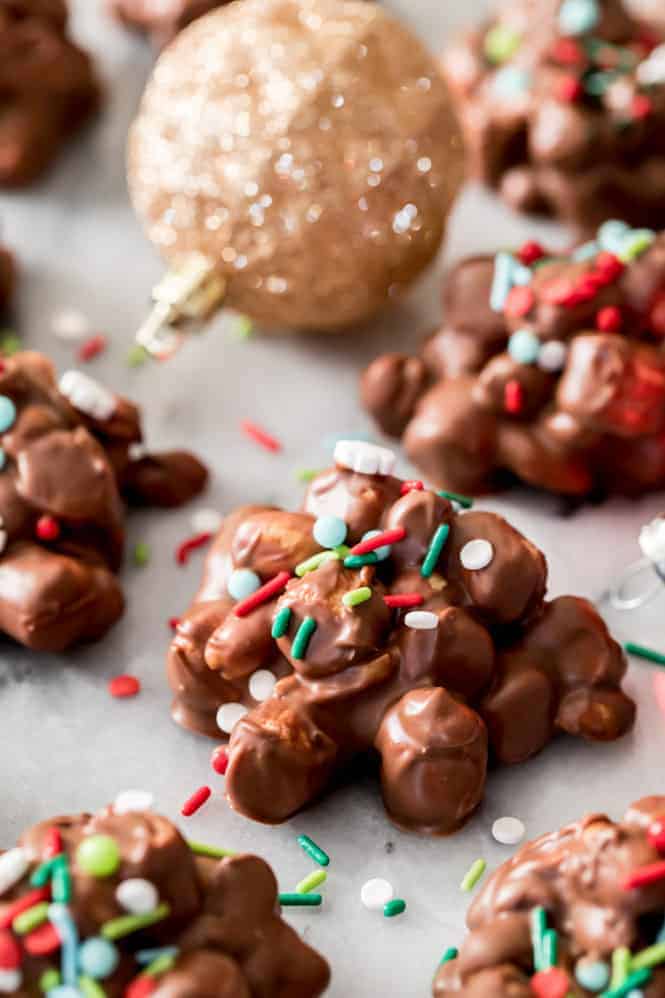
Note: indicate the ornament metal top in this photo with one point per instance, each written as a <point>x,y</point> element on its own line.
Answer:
<point>305,150</point>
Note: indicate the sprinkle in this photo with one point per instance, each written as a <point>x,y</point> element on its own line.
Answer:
<point>261,685</point>
<point>133,800</point>
<point>31,919</point>
<point>394,907</point>
<point>376,893</point>
<point>312,563</point>
<point>14,865</point>
<point>644,875</point>
<point>8,915</point>
<point>656,834</point>
<point>141,554</point>
<point>357,596</point>
<point>302,638</point>
<point>594,975</point>
<point>213,852</point>
<point>43,941</point>
<point>10,981</point>
<point>650,957</point>
<point>10,951</point>
<point>228,716</point>
<point>137,355</point>
<point>421,620</point>
<point>88,395</point>
<point>529,252</point>
<point>219,760</point>
<point>502,281</point>
<point>47,528</point>
<point>519,302</point>
<point>402,601</point>
<point>538,926</point>
<point>550,948</point>
<point>434,550</point>
<point>636,244</point>
<point>473,875</point>
<point>281,622</point>
<point>306,474</point>
<point>313,850</point>
<point>147,956</point>
<point>61,917</point>
<point>577,17</point>
<point>513,397</point>
<point>464,501</point>
<point>361,560</point>
<point>552,356</point>
<point>121,687</point>
<point>501,43</point>
<point>69,324</point>
<point>608,320</point>
<point>242,583</point>
<point>300,900</point>
<point>44,871</point>
<point>641,106</point>
<point>7,413</point>
<point>568,52</point>
<point>98,958</point>
<point>450,954</point>
<point>52,842</point>
<point>508,831</point>
<point>117,928</point>
<point>378,540</point>
<point>550,983</point>
<point>61,883</point>
<point>141,987</point>
<point>364,458</point>
<point>641,651</point>
<point>585,252</point>
<point>174,623</point>
<point>476,555</point>
<point>568,89</point>
<point>329,531</point>
<point>524,346</point>
<point>91,348</point>
<point>260,436</point>
<point>632,981</point>
<point>262,595</point>
<point>10,343</point>
<point>411,485</point>
<point>308,883</point>
<point>161,964</point>
<point>89,988</point>
<point>98,855</point>
<point>610,266</point>
<point>621,958</point>
<point>196,801</point>
<point>184,550</point>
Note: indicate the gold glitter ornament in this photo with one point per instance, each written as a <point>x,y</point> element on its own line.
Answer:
<point>304,151</point>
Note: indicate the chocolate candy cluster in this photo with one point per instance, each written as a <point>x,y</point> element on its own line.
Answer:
<point>402,628</point>
<point>548,368</point>
<point>67,460</point>
<point>162,20</point>
<point>118,904</point>
<point>578,912</point>
<point>563,107</point>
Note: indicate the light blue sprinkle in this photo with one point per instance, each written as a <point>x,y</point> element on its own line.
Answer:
<point>635,993</point>
<point>502,281</point>
<point>521,275</point>
<point>148,955</point>
<point>511,81</point>
<point>98,958</point>
<point>576,17</point>
<point>383,552</point>
<point>594,975</point>
<point>242,583</point>
<point>524,346</point>
<point>330,531</point>
<point>7,413</point>
<point>586,251</point>
<point>61,917</point>
<point>612,234</point>
<point>64,991</point>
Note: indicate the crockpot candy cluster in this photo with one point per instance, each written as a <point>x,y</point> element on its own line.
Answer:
<point>563,107</point>
<point>577,913</point>
<point>161,19</point>
<point>48,87</point>
<point>402,628</point>
<point>549,367</point>
<point>67,459</point>
<point>119,905</point>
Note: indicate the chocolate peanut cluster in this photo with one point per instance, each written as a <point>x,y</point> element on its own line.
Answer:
<point>68,458</point>
<point>48,87</point>
<point>576,913</point>
<point>118,903</point>
<point>549,368</point>
<point>562,103</point>
<point>161,19</point>
<point>397,627</point>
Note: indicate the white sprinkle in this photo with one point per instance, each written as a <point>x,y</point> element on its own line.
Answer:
<point>137,896</point>
<point>508,831</point>
<point>87,395</point>
<point>652,540</point>
<point>70,324</point>
<point>421,620</point>
<point>13,867</point>
<point>205,521</point>
<point>228,716</point>
<point>10,981</point>
<point>552,356</point>
<point>367,459</point>
<point>133,800</point>
<point>376,892</point>
<point>476,554</point>
<point>261,684</point>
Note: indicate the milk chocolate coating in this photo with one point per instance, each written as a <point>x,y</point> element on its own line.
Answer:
<point>48,87</point>
<point>224,918</point>
<point>75,468</point>
<point>564,121</point>
<point>162,21</point>
<point>577,874</point>
<point>596,425</point>
<point>500,674</point>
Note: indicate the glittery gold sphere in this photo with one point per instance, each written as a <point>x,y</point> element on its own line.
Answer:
<point>307,148</point>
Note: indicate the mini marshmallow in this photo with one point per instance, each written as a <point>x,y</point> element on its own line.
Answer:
<point>367,459</point>
<point>87,395</point>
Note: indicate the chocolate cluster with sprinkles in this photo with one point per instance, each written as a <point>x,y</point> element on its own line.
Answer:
<point>576,913</point>
<point>549,368</point>
<point>399,624</point>
<point>70,455</point>
<point>562,103</point>
<point>119,905</point>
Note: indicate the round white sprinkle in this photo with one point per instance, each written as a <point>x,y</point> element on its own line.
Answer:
<point>652,540</point>
<point>69,324</point>
<point>261,684</point>
<point>137,896</point>
<point>476,554</point>
<point>88,395</point>
<point>421,620</point>
<point>228,716</point>
<point>367,459</point>
<point>376,892</point>
<point>508,831</point>
<point>13,867</point>
<point>206,521</point>
<point>133,800</point>
<point>10,981</point>
<point>552,356</point>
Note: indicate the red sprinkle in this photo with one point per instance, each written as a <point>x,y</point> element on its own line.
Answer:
<point>550,983</point>
<point>262,595</point>
<point>220,760</point>
<point>529,252</point>
<point>559,292</point>
<point>42,941</point>
<point>378,541</point>
<point>173,623</point>
<point>645,875</point>
<point>124,686</point>
<point>656,834</point>
<point>609,266</point>
<point>184,550</point>
<point>568,89</point>
<point>404,600</point>
<point>141,986</point>
<point>568,52</point>
<point>608,320</point>
<point>641,106</point>
<point>10,951</point>
<point>22,904</point>
<point>513,397</point>
<point>519,302</point>
<point>52,843</point>
<point>260,436</point>
<point>411,485</point>
<point>197,800</point>
<point>48,528</point>
<point>92,348</point>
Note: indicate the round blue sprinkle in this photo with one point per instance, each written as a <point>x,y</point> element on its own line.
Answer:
<point>576,17</point>
<point>383,552</point>
<point>611,235</point>
<point>242,583</point>
<point>511,81</point>
<point>524,346</point>
<point>594,975</point>
<point>329,531</point>
<point>7,413</point>
<point>98,958</point>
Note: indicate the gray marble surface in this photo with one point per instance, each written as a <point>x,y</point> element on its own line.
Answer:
<point>68,746</point>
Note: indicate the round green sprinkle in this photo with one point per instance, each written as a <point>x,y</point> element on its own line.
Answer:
<point>89,988</point>
<point>357,596</point>
<point>30,919</point>
<point>464,501</point>
<point>308,884</point>
<point>50,979</point>
<point>98,855</point>
<point>620,966</point>
<point>214,852</point>
<point>117,928</point>
<point>473,875</point>
<point>280,624</point>
<point>313,851</point>
<point>300,900</point>
<point>501,43</point>
<point>311,563</point>
<point>633,981</point>
<point>141,554</point>
<point>160,965</point>
<point>10,344</point>
<point>435,548</point>
<point>550,948</point>
<point>450,954</point>
<point>243,327</point>
<point>394,907</point>
<point>640,651</point>
<point>302,638</point>
<point>360,560</point>
<point>650,957</point>
<point>636,243</point>
<point>137,356</point>
<point>538,923</point>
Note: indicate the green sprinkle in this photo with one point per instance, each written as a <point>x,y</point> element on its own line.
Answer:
<point>280,624</point>
<point>435,548</point>
<point>89,988</point>
<point>300,900</point>
<point>141,554</point>
<point>450,954</point>
<point>10,344</point>
<point>61,882</point>
<point>313,851</point>
<point>44,872</point>
<point>464,501</point>
<point>137,356</point>
<point>635,244</point>
<point>117,928</point>
<point>650,957</point>
<point>596,84</point>
<point>302,638</point>
<point>550,948</point>
<point>307,474</point>
<point>311,563</point>
<point>357,596</point>
<point>640,651</point>
<point>633,981</point>
<point>214,852</point>
<point>243,327</point>
<point>538,922</point>
<point>473,875</point>
<point>394,907</point>
<point>360,560</point>
<point>620,966</point>
<point>501,43</point>
<point>342,550</point>
<point>160,965</point>
<point>308,884</point>
<point>30,919</point>
<point>50,979</point>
